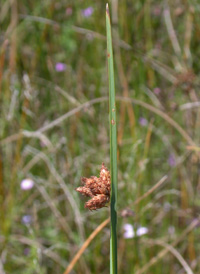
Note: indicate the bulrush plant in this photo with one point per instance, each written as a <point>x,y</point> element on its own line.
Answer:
<point>96,188</point>
<point>104,189</point>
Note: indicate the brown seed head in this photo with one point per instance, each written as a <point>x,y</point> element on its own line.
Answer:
<point>96,188</point>
<point>97,202</point>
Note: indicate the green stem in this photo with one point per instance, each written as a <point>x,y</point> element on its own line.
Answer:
<point>113,149</point>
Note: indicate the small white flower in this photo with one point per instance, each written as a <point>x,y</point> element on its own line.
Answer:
<point>27,184</point>
<point>129,231</point>
<point>142,231</point>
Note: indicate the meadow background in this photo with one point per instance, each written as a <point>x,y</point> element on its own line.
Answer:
<point>55,129</point>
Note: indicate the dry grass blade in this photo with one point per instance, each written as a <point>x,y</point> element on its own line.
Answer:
<point>85,245</point>
<point>163,115</point>
<point>162,253</point>
<point>176,254</point>
<point>72,112</point>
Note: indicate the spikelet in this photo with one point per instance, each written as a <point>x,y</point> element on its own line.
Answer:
<point>96,188</point>
<point>97,202</point>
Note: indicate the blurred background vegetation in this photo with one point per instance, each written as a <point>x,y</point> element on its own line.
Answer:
<point>52,61</point>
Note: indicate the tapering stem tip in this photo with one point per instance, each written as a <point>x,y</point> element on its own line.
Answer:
<point>107,9</point>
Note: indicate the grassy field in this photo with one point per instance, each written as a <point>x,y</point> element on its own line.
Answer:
<point>54,129</point>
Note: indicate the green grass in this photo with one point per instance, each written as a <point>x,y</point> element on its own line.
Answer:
<point>113,148</point>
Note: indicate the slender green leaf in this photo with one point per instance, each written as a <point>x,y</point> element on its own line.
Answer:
<point>113,149</point>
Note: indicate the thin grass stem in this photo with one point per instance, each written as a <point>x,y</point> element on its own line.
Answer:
<point>113,149</point>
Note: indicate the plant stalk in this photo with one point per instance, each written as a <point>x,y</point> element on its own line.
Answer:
<point>113,149</point>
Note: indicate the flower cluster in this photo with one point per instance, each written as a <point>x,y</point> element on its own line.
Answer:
<point>130,233</point>
<point>96,188</point>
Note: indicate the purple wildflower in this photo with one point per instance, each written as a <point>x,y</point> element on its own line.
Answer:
<point>142,121</point>
<point>27,184</point>
<point>87,12</point>
<point>26,219</point>
<point>60,67</point>
<point>171,160</point>
<point>69,11</point>
<point>157,90</point>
